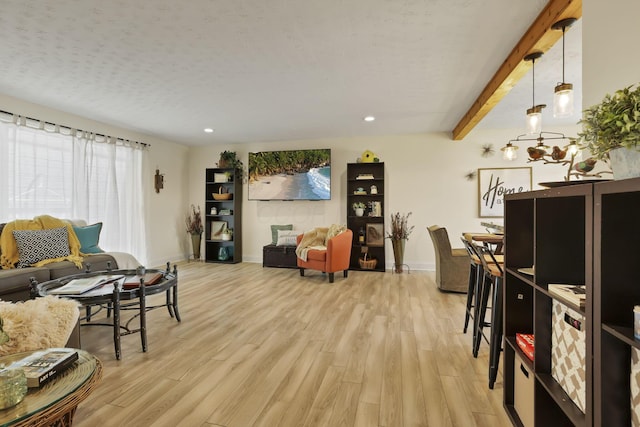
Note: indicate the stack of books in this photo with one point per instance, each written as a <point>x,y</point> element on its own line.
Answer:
<point>365,176</point>
<point>133,282</point>
<point>43,366</point>
<point>573,294</point>
<point>526,342</point>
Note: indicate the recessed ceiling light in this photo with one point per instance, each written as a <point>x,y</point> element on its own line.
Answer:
<point>369,118</point>
<point>208,130</point>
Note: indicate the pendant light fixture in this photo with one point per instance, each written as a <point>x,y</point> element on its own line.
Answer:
<point>563,93</point>
<point>509,152</point>
<point>534,114</point>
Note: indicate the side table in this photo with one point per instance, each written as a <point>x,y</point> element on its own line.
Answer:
<point>56,402</point>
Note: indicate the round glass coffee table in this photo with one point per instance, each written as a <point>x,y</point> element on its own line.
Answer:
<point>55,403</point>
<point>114,297</point>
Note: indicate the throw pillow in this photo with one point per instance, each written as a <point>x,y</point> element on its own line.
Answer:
<point>287,238</point>
<point>89,236</point>
<point>37,245</point>
<point>274,231</point>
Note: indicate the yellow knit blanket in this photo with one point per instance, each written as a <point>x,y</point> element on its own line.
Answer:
<point>9,255</point>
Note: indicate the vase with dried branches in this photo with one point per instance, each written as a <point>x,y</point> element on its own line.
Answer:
<point>194,227</point>
<point>399,234</point>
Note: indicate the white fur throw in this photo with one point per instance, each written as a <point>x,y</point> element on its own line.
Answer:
<point>37,324</point>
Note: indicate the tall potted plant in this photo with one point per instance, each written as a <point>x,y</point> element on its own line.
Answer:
<point>399,234</point>
<point>611,130</point>
<point>194,227</point>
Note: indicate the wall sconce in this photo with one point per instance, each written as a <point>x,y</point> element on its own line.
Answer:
<point>158,180</point>
<point>563,92</point>
<point>534,114</point>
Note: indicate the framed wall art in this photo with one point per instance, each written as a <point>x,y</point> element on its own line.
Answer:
<point>217,227</point>
<point>493,184</point>
<point>375,234</point>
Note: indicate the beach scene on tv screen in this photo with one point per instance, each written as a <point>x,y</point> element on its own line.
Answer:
<point>290,175</point>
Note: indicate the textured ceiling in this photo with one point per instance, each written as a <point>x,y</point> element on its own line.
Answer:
<point>272,70</point>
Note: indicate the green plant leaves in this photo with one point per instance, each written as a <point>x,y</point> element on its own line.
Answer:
<point>615,122</point>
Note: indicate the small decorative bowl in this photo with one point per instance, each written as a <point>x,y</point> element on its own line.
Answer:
<point>222,196</point>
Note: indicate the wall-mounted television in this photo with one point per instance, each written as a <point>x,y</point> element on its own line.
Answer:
<point>290,175</point>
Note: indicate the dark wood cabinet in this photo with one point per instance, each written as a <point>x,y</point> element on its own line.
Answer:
<point>589,234</point>
<point>365,184</point>
<point>221,214</point>
<point>616,291</point>
<point>550,231</point>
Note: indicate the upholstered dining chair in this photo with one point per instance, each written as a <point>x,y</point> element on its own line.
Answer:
<point>452,265</point>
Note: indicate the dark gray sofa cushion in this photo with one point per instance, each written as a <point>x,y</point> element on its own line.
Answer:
<point>98,262</point>
<point>15,284</point>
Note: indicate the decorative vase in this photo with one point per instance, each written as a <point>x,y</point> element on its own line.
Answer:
<point>195,243</point>
<point>223,254</point>
<point>13,387</point>
<point>359,211</point>
<point>398,254</point>
<point>625,163</point>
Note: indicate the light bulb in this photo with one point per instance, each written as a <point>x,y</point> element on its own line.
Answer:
<point>572,149</point>
<point>509,152</point>
<point>534,119</point>
<point>563,100</point>
<point>534,123</point>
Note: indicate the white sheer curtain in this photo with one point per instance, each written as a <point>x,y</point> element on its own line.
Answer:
<point>67,173</point>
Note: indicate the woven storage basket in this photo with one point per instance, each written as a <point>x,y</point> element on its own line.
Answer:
<point>222,196</point>
<point>368,264</point>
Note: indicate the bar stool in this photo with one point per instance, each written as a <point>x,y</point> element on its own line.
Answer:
<point>491,284</point>
<point>475,273</point>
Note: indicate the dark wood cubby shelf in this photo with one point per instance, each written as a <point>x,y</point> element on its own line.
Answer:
<point>589,234</point>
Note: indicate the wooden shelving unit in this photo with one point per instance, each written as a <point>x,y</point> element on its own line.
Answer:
<point>616,291</point>
<point>233,216</point>
<point>360,223</point>
<point>551,230</point>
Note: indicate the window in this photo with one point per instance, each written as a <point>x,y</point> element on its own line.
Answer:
<point>73,174</point>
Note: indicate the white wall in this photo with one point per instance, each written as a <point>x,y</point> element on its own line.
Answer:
<point>425,175</point>
<point>164,212</point>
<point>610,60</point>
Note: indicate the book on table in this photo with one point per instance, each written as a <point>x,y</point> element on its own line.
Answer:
<point>132,282</point>
<point>82,285</point>
<point>43,366</point>
<point>574,294</point>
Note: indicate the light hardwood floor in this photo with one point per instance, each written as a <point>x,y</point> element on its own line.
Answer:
<point>265,347</point>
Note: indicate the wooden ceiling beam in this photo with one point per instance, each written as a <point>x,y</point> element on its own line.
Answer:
<point>538,38</point>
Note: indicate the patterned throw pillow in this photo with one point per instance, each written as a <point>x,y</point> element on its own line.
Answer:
<point>88,237</point>
<point>287,238</point>
<point>274,232</point>
<point>36,245</point>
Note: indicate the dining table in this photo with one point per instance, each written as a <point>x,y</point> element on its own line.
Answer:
<point>494,239</point>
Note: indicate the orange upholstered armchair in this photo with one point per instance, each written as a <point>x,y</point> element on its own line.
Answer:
<point>334,258</point>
